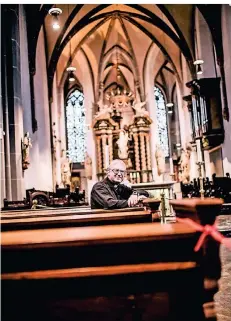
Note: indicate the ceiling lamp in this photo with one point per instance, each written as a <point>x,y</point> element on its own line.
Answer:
<point>55,12</point>
<point>71,71</point>
<point>170,107</point>
<point>198,63</point>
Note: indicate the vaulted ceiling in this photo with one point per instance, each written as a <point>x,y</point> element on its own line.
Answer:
<point>114,38</point>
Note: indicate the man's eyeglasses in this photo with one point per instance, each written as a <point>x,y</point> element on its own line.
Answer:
<point>118,171</point>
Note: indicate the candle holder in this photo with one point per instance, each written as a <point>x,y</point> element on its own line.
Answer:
<point>163,208</point>
<point>202,191</point>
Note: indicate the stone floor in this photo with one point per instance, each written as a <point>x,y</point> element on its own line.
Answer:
<point>223,297</point>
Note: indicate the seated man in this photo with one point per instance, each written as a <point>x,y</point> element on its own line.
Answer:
<point>111,193</point>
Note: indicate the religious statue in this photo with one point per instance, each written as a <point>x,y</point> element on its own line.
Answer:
<point>184,168</point>
<point>65,170</point>
<point>160,160</point>
<point>26,145</point>
<point>139,108</point>
<point>88,166</point>
<point>123,143</point>
<point>104,111</point>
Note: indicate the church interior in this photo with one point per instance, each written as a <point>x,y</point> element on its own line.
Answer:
<point>81,86</point>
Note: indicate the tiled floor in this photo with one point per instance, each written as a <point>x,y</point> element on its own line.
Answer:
<point>223,297</point>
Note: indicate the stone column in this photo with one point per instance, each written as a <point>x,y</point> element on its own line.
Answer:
<point>226,37</point>
<point>11,45</point>
<point>2,154</point>
<point>5,163</point>
<point>99,158</point>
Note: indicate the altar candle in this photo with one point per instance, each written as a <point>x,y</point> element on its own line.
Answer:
<point>199,154</point>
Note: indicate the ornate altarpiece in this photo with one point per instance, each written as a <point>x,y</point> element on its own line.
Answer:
<point>125,117</point>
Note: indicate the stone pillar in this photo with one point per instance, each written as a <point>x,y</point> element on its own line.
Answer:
<point>226,38</point>
<point>11,46</point>
<point>99,158</point>
<point>5,145</point>
<point>2,160</point>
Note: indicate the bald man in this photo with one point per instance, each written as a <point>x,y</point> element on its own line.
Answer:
<point>111,193</point>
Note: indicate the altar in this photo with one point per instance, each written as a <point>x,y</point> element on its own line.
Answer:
<point>122,130</point>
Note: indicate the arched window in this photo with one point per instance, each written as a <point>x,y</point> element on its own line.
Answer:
<point>75,126</point>
<point>161,115</point>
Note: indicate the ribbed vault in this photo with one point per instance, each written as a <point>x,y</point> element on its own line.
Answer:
<point>115,34</point>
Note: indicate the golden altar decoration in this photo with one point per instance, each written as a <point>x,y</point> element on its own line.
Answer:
<point>125,123</point>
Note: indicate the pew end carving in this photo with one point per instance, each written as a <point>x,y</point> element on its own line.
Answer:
<point>204,211</point>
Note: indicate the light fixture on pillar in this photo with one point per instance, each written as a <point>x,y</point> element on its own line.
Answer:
<point>170,107</point>
<point>71,71</point>
<point>198,63</point>
<point>55,12</point>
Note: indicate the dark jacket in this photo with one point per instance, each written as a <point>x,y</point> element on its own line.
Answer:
<point>105,195</point>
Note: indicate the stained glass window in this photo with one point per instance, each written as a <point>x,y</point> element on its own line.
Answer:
<point>75,126</point>
<point>161,116</point>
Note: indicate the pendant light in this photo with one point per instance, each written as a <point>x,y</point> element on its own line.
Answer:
<point>55,12</point>
<point>198,63</point>
<point>71,69</point>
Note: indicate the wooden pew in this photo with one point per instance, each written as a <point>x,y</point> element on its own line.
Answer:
<point>63,211</point>
<point>142,272</point>
<point>24,222</point>
<point>102,273</point>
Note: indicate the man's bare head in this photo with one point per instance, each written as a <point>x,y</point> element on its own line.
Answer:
<point>116,171</point>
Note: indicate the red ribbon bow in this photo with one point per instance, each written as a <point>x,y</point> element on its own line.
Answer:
<point>206,230</point>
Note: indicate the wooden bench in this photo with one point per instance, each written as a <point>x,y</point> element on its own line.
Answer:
<point>64,211</point>
<point>45,268</point>
<point>143,272</point>
<point>27,221</point>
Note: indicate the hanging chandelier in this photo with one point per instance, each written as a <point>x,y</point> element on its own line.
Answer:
<point>71,69</point>
<point>119,97</point>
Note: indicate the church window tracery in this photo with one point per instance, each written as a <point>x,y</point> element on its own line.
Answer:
<point>161,115</point>
<point>75,127</point>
